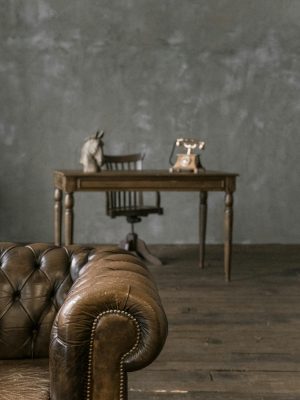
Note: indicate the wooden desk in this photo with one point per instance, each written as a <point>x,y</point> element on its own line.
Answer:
<point>69,181</point>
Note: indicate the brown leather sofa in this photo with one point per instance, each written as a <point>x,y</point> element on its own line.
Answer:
<point>74,321</point>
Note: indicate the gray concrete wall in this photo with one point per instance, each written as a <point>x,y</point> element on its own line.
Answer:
<point>148,71</point>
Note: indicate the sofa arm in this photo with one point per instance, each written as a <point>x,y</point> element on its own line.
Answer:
<point>111,322</point>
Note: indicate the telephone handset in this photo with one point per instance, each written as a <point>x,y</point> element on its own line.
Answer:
<point>189,161</point>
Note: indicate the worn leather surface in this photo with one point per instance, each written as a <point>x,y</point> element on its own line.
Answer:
<point>34,281</point>
<point>112,312</point>
<point>24,379</point>
<point>111,280</point>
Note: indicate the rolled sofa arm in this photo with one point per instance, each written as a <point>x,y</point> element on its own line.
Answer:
<point>111,322</point>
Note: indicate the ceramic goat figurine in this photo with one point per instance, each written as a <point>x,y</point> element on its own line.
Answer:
<point>92,153</point>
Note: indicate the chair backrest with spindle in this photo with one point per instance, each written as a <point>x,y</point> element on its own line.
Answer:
<point>123,202</point>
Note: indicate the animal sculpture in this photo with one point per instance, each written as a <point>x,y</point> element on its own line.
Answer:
<point>92,153</point>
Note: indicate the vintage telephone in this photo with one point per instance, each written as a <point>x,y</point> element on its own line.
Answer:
<point>189,161</point>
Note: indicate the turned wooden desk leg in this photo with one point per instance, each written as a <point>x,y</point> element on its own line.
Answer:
<point>57,216</point>
<point>69,218</point>
<point>228,223</point>
<point>202,227</point>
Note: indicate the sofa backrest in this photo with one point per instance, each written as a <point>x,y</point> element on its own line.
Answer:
<point>34,281</point>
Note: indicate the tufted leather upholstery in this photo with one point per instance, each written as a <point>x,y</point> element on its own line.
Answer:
<point>97,310</point>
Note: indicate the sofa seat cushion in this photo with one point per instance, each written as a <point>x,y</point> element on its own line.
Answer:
<point>24,379</point>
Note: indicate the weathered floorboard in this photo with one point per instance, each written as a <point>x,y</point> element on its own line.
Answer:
<point>236,341</point>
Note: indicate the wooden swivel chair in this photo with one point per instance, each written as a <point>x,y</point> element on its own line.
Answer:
<point>131,204</point>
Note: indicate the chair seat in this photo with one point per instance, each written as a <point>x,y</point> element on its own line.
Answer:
<point>24,379</point>
<point>128,211</point>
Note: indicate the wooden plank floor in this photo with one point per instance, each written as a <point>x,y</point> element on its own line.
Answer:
<point>236,341</point>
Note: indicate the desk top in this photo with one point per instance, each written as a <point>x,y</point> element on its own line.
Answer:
<point>144,180</point>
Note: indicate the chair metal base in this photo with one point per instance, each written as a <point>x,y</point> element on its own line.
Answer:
<point>133,243</point>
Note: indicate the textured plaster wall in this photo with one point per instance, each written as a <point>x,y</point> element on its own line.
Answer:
<point>148,71</point>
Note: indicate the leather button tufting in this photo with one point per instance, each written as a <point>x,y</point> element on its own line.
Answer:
<point>17,295</point>
<point>35,331</point>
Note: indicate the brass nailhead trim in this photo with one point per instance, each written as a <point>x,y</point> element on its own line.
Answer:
<point>90,358</point>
